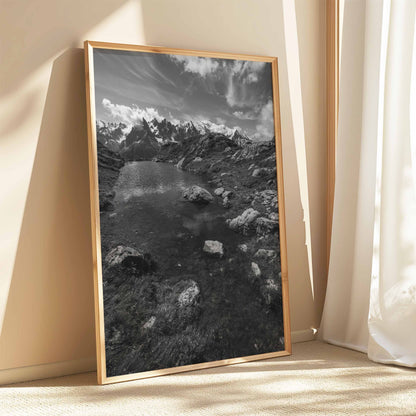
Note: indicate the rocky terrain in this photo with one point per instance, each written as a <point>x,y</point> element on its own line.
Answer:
<point>109,165</point>
<point>225,301</point>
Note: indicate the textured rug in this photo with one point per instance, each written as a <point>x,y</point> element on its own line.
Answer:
<point>317,379</point>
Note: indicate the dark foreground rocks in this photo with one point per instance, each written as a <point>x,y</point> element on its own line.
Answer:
<point>121,259</point>
<point>266,226</point>
<point>214,248</point>
<point>143,309</point>
<point>245,222</point>
<point>198,195</point>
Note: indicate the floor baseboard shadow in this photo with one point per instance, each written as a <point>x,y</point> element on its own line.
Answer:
<point>83,365</point>
<point>37,372</point>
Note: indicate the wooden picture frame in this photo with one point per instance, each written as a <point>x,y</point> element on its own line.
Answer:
<point>115,257</point>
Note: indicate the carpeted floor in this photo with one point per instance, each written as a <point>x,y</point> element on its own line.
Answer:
<point>317,379</point>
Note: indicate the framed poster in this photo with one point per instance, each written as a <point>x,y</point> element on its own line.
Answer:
<point>187,206</point>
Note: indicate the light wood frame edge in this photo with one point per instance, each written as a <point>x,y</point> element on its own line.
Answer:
<point>281,205</point>
<point>95,214</point>
<point>332,86</point>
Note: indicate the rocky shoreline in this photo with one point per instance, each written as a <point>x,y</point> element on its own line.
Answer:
<point>109,166</point>
<point>154,322</point>
<point>244,181</point>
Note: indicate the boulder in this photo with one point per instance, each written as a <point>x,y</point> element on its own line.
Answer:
<point>261,172</point>
<point>273,203</point>
<point>227,194</point>
<point>149,323</point>
<point>177,306</point>
<point>274,216</point>
<point>264,254</point>
<point>129,258</point>
<point>118,254</point>
<point>197,194</point>
<point>243,248</point>
<point>266,226</point>
<point>270,291</point>
<point>255,269</point>
<point>190,295</point>
<point>219,191</point>
<point>214,248</point>
<point>197,159</point>
<point>226,202</point>
<point>179,165</point>
<point>244,222</point>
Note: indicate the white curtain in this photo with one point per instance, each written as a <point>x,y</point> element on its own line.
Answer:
<point>370,303</point>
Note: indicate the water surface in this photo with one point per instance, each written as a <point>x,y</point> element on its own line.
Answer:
<point>156,218</point>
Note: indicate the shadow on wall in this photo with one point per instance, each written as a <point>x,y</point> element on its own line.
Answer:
<point>40,30</point>
<point>55,241</point>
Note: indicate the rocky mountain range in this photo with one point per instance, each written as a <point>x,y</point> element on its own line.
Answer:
<point>145,140</point>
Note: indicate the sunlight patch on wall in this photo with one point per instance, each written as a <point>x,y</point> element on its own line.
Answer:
<point>295,91</point>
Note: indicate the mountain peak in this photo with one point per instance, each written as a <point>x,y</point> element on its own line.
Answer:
<point>239,138</point>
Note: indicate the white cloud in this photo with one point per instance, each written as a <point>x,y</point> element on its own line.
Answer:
<point>252,77</point>
<point>247,71</point>
<point>130,115</point>
<point>173,120</point>
<point>265,127</point>
<point>232,93</point>
<point>196,64</point>
<point>242,74</point>
<point>237,67</point>
<point>249,115</point>
<point>220,128</point>
<point>253,70</point>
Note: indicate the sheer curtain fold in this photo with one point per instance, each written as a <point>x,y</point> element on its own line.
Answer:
<point>371,296</point>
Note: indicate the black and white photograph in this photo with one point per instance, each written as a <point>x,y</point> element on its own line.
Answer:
<point>189,212</point>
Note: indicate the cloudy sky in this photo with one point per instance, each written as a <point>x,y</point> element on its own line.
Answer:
<point>130,86</point>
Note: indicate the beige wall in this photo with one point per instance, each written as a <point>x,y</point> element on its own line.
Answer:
<point>46,290</point>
